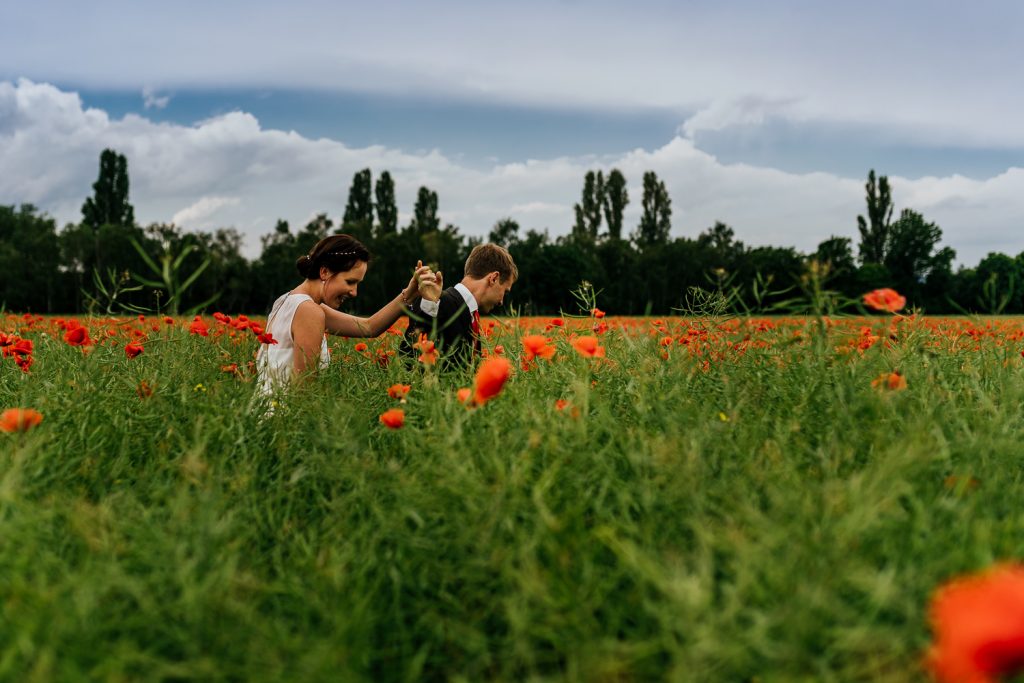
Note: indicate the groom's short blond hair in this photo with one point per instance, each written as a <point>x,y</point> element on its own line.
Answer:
<point>488,258</point>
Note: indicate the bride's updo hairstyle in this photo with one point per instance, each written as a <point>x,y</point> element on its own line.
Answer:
<point>337,252</point>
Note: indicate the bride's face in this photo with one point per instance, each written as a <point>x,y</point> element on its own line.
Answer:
<point>342,286</point>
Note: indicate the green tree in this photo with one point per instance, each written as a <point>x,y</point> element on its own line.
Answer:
<point>777,268</point>
<point>588,211</point>
<point>998,279</point>
<point>528,297</point>
<point>720,246</point>
<point>656,218</point>
<point>443,250</point>
<point>105,253</point>
<point>874,231</point>
<point>358,218</point>
<point>616,198</point>
<point>505,233</point>
<point>316,229</point>
<point>666,272</point>
<point>621,277</point>
<point>274,271</point>
<point>911,256</point>
<point>559,268</point>
<point>836,255</point>
<point>229,273</point>
<point>172,272</point>
<point>387,207</point>
<point>109,204</point>
<point>424,218</point>
<point>30,279</point>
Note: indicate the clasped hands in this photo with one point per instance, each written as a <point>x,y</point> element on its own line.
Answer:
<point>424,283</point>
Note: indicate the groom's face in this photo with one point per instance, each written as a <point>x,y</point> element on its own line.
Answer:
<point>495,293</point>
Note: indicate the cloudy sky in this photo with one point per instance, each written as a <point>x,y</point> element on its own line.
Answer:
<point>766,116</point>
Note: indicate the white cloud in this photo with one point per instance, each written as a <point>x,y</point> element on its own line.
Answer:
<point>228,171</point>
<point>743,111</point>
<point>195,215</point>
<point>153,101</point>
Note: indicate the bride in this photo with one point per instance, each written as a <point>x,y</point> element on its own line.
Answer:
<point>300,318</point>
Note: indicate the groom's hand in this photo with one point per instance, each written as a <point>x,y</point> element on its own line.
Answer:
<point>431,285</point>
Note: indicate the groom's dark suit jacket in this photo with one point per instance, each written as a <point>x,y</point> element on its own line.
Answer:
<point>451,331</point>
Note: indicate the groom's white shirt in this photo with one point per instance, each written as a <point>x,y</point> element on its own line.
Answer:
<point>431,307</point>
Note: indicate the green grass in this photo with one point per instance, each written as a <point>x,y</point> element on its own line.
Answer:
<point>772,519</point>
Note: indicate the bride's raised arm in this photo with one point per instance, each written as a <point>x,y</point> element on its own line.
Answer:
<point>347,325</point>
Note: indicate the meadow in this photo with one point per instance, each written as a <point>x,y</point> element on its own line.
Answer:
<point>682,499</point>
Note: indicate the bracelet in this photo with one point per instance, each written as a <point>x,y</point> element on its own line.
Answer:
<point>407,302</point>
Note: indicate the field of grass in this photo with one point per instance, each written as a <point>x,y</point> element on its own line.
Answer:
<point>717,500</point>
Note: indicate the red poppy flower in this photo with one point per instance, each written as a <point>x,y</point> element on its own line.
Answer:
<point>885,300</point>
<point>199,327</point>
<point>22,347</point>
<point>537,345</point>
<point>978,622</point>
<point>132,349</point>
<point>463,394</point>
<point>393,419</point>
<point>588,346</point>
<point>231,368</point>
<point>597,312</point>
<point>490,378</point>
<point>969,483</point>
<point>77,336</point>
<point>893,381</point>
<point>360,347</point>
<point>19,419</point>
<point>144,390</point>
<point>399,390</point>
<point>266,338</point>
<point>562,405</point>
<point>428,352</point>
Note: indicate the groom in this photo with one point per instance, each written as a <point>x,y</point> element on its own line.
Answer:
<point>451,317</point>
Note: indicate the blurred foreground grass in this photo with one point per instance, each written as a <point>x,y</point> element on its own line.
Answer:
<point>772,517</point>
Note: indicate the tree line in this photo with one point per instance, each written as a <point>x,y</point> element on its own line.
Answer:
<point>107,263</point>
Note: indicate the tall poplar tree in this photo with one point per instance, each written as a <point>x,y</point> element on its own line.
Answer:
<point>656,219</point>
<point>874,231</point>
<point>588,210</point>
<point>109,204</point>
<point>387,207</point>
<point>424,219</point>
<point>616,197</point>
<point>358,218</point>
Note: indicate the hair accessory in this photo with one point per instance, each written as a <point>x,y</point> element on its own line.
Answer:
<point>341,253</point>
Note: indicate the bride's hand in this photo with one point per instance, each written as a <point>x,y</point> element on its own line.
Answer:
<point>413,289</point>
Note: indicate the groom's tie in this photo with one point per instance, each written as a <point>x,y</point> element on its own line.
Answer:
<point>476,332</point>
